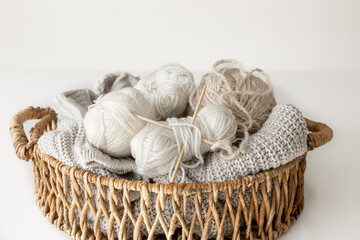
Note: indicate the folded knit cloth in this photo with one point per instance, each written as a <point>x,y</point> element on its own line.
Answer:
<point>281,139</point>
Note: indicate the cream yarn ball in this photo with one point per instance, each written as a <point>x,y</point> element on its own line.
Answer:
<point>110,125</point>
<point>168,90</point>
<point>155,149</point>
<point>250,98</point>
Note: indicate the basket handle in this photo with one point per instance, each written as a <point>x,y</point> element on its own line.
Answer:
<point>24,147</point>
<point>319,134</point>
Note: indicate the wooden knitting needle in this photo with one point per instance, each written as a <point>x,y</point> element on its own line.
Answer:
<point>178,160</point>
<point>170,128</point>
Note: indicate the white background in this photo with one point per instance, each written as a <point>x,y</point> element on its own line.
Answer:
<point>309,48</point>
<point>277,35</point>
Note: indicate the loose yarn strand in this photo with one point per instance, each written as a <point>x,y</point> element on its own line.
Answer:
<point>267,77</point>
<point>247,125</point>
<point>95,102</point>
<point>229,62</point>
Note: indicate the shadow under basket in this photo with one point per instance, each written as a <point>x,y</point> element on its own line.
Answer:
<point>281,190</point>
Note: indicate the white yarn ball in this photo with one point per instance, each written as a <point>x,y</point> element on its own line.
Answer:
<point>156,149</point>
<point>110,124</point>
<point>168,89</point>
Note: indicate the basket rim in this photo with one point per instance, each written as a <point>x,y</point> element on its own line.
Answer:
<point>169,188</point>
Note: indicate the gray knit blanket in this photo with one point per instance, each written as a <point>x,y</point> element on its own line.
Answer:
<point>282,138</point>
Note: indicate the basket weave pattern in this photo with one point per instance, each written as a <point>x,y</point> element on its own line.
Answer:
<point>282,191</point>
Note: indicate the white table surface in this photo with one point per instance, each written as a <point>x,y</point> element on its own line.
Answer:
<point>332,184</point>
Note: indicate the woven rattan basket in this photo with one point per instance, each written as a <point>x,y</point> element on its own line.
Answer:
<point>282,191</point>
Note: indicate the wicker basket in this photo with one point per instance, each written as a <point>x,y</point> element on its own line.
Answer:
<point>282,191</point>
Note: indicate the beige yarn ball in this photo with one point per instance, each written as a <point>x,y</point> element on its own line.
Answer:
<point>250,98</point>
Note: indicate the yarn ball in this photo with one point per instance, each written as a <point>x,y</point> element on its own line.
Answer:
<point>168,90</point>
<point>250,98</point>
<point>110,124</point>
<point>156,149</point>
